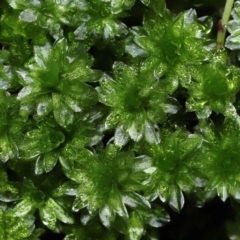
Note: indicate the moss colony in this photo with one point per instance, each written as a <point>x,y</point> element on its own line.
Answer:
<point>117,117</point>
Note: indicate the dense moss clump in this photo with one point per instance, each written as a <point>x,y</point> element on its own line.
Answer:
<point>117,117</point>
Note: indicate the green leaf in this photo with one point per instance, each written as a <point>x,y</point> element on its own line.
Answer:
<point>135,131</point>
<point>39,165</point>
<point>157,217</point>
<point>176,198</point>
<point>107,216</point>
<point>66,162</point>
<point>116,203</point>
<point>63,114</point>
<point>233,40</point>
<point>23,208</point>
<point>135,226</point>
<point>67,188</point>
<point>40,141</point>
<point>191,144</point>
<point>48,218</point>
<point>45,106</point>
<point>79,204</point>
<point>151,135</point>
<point>121,136</point>
<point>223,191</point>
<point>60,213</point>
<point>18,4</point>
<point>9,191</point>
<point>135,200</point>
<point>59,52</point>
<point>118,6</point>
<point>50,160</point>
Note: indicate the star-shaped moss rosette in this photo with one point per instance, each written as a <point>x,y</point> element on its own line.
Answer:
<point>174,45</point>
<point>16,48</point>
<point>137,101</point>
<point>10,126</point>
<point>109,182</point>
<point>12,227</point>
<point>56,82</point>
<point>38,194</point>
<point>16,51</point>
<point>50,15</point>
<point>219,157</point>
<point>41,144</point>
<point>12,30</point>
<point>233,40</point>
<point>214,87</point>
<point>175,172</point>
<point>16,39</point>
<point>47,143</point>
<point>101,19</point>
<point>11,27</point>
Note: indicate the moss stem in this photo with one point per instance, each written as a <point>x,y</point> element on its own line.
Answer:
<point>222,23</point>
